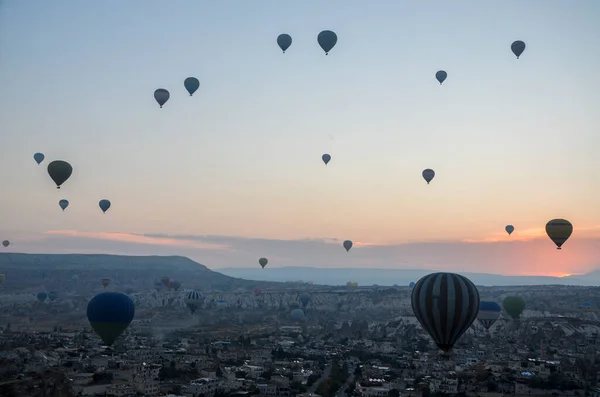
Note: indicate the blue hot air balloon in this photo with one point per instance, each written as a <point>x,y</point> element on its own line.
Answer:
<point>327,40</point>
<point>489,312</point>
<point>441,76</point>
<point>509,229</point>
<point>41,296</point>
<point>517,47</point>
<point>161,96</point>
<point>39,157</point>
<point>63,204</point>
<point>428,174</point>
<point>109,314</point>
<point>326,158</point>
<point>104,205</point>
<point>191,84</point>
<point>284,41</point>
<point>411,284</point>
<point>193,300</point>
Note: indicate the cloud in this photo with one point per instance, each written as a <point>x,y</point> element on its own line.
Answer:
<point>535,256</point>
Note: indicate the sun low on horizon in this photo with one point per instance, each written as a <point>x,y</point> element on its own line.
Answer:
<point>235,169</point>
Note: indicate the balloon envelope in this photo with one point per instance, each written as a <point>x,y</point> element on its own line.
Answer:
<point>559,231</point>
<point>347,244</point>
<point>489,312</point>
<point>297,315</point>
<point>39,157</point>
<point>59,171</point>
<point>327,40</point>
<point>517,47</point>
<point>284,41</point>
<point>428,175</point>
<point>263,262</point>
<point>446,304</point>
<point>411,284</point>
<point>109,314</point>
<point>63,204</point>
<point>304,298</point>
<point>161,96</point>
<point>41,296</point>
<point>441,75</point>
<point>6,243</point>
<point>193,300</point>
<point>191,84</point>
<point>104,205</point>
<point>509,229</point>
<point>326,158</point>
<point>514,306</point>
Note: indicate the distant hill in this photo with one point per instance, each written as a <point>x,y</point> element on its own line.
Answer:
<point>57,271</point>
<point>401,277</point>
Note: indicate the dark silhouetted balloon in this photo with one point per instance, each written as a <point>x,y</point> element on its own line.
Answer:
<point>514,306</point>
<point>191,84</point>
<point>559,231</point>
<point>304,298</point>
<point>411,284</point>
<point>517,48</point>
<point>428,175</point>
<point>489,312</point>
<point>298,315</point>
<point>5,243</point>
<point>441,75</point>
<point>284,41</point>
<point>59,171</point>
<point>41,296</point>
<point>263,262</point>
<point>39,157</point>
<point>162,96</point>
<point>104,205</point>
<point>509,229</point>
<point>327,40</point>
<point>446,304</point>
<point>326,158</point>
<point>175,285</point>
<point>109,314</point>
<point>347,244</point>
<point>63,204</point>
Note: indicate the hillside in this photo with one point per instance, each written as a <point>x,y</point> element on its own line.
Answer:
<point>339,276</point>
<point>57,271</point>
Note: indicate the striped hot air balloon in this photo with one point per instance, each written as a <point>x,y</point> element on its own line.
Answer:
<point>559,231</point>
<point>193,300</point>
<point>489,312</point>
<point>446,304</point>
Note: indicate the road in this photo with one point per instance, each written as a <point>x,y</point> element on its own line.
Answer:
<point>342,391</point>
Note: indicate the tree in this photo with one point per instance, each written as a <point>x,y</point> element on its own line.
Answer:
<point>358,371</point>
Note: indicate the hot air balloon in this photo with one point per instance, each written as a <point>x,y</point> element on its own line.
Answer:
<point>326,158</point>
<point>41,296</point>
<point>440,76</point>
<point>39,157</point>
<point>428,175</point>
<point>284,41</point>
<point>559,231</point>
<point>298,315</point>
<point>52,295</point>
<point>63,204</point>
<point>2,278</point>
<point>509,229</point>
<point>411,284</point>
<point>263,262</point>
<point>175,285</point>
<point>59,171</point>
<point>446,304</point>
<point>165,280</point>
<point>105,282</point>
<point>489,312</point>
<point>193,300</point>
<point>104,205</point>
<point>304,298</point>
<point>347,244</point>
<point>517,48</point>
<point>327,40</point>
<point>514,306</point>
<point>191,84</point>
<point>161,96</point>
<point>109,314</point>
<point>6,243</point>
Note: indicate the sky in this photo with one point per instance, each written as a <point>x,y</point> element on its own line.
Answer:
<point>235,172</point>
